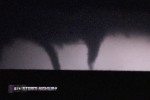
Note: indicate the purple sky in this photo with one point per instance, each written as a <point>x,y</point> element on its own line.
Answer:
<point>116,53</point>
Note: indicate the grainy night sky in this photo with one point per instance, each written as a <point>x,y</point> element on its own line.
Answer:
<point>35,20</point>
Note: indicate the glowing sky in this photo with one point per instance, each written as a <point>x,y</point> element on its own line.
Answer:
<point>116,53</point>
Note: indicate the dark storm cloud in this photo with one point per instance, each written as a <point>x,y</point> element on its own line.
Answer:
<point>66,22</point>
